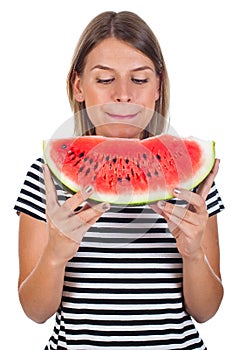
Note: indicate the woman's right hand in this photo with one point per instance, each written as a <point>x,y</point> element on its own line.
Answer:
<point>66,227</point>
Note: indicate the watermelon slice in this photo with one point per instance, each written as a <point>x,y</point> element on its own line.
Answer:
<point>130,171</point>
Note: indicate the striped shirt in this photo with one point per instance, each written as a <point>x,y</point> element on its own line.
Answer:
<point>123,288</point>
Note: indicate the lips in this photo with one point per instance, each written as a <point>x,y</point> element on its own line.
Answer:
<point>122,116</point>
<point>122,110</point>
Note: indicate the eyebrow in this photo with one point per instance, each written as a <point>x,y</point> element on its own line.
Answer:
<point>141,68</point>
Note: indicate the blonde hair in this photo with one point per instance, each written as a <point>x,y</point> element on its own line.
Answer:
<point>129,27</point>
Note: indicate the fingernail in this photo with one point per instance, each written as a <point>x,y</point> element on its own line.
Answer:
<point>177,191</point>
<point>161,204</point>
<point>88,189</point>
<point>105,206</point>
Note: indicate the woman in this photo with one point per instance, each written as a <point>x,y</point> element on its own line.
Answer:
<point>107,294</point>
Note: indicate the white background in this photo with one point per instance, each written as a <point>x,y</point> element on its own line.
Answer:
<point>37,41</point>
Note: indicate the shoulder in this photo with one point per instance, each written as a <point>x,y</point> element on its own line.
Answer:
<point>214,202</point>
<point>32,196</point>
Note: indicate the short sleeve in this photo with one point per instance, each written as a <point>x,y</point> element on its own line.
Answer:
<point>32,198</point>
<point>214,202</point>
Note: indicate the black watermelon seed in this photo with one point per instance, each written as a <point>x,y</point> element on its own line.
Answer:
<point>156,173</point>
<point>128,177</point>
<point>158,156</point>
<point>144,155</point>
<point>63,146</point>
<point>76,163</point>
<point>71,155</point>
<point>87,172</point>
<point>107,158</point>
<point>114,159</point>
<point>81,169</point>
<point>119,179</point>
<point>81,154</point>
<point>127,161</point>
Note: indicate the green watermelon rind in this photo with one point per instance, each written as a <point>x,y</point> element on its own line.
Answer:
<point>209,155</point>
<point>69,185</point>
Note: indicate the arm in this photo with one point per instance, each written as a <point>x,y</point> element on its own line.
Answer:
<point>41,273</point>
<point>45,248</point>
<point>197,241</point>
<point>202,286</point>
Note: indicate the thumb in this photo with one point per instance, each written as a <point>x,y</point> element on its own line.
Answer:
<point>51,193</point>
<point>205,186</point>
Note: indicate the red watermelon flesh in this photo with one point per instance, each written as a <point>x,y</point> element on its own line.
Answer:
<point>130,171</point>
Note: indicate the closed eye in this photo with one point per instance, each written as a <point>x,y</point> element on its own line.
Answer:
<point>105,81</point>
<point>139,81</point>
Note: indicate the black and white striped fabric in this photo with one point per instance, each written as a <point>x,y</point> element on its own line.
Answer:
<point>123,288</point>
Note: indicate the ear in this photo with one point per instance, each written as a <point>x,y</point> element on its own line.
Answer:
<point>157,89</point>
<point>77,89</point>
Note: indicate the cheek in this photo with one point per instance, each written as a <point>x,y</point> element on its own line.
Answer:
<point>150,99</point>
<point>90,97</point>
<point>94,99</point>
<point>93,95</point>
<point>95,113</point>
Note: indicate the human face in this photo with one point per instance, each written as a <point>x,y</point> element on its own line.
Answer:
<point>120,87</point>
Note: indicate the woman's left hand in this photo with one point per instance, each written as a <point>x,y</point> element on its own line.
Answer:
<point>187,224</point>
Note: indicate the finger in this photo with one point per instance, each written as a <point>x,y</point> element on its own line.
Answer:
<point>76,234</point>
<point>78,198</point>
<point>194,200</point>
<point>176,216</point>
<point>178,211</point>
<point>51,194</point>
<point>160,208</point>
<point>92,214</point>
<point>81,222</point>
<point>84,217</point>
<point>205,186</point>
<point>173,221</point>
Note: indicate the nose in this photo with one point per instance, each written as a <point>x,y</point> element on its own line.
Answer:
<point>122,92</point>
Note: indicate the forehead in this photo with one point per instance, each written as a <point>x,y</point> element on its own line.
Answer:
<point>114,52</point>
